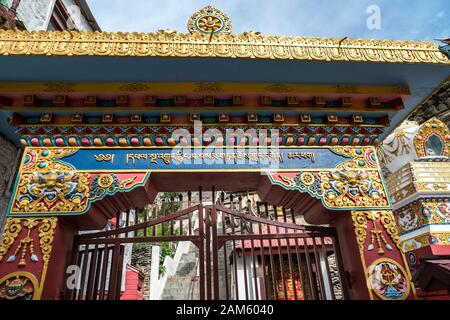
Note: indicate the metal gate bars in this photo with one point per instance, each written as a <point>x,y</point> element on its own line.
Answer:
<point>246,252</point>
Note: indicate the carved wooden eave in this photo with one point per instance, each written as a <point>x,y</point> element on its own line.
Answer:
<point>435,98</point>
<point>245,46</point>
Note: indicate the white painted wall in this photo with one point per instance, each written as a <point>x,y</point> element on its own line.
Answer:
<point>78,19</point>
<point>325,275</point>
<point>241,274</point>
<point>36,14</point>
<point>157,283</point>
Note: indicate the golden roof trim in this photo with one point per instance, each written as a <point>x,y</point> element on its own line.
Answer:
<point>249,45</point>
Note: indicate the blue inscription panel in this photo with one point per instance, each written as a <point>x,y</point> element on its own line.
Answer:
<point>203,159</point>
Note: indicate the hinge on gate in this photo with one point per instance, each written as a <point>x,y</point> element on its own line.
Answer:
<point>64,295</point>
<point>348,279</point>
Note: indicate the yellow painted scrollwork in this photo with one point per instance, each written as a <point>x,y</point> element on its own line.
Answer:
<point>25,247</point>
<point>12,230</point>
<point>46,228</point>
<point>360,224</point>
<point>443,238</point>
<point>46,159</point>
<point>390,281</point>
<point>388,221</point>
<point>361,157</point>
<point>396,147</point>
<point>425,147</point>
<point>46,235</point>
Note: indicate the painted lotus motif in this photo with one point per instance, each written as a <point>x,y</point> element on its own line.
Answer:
<point>16,289</point>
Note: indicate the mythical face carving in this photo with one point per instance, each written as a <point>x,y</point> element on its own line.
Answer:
<point>353,188</point>
<point>52,191</point>
<point>353,183</point>
<point>52,185</point>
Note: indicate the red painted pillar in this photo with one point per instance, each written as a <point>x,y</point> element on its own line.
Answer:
<point>55,283</point>
<point>372,255</point>
<point>34,254</point>
<point>354,271</point>
<point>25,253</point>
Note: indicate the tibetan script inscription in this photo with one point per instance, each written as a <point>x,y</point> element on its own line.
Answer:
<point>155,158</point>
<point>223,157</point>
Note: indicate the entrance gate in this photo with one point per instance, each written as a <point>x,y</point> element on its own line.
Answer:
<point>241,252</point>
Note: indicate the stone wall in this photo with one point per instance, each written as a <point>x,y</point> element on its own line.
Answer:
<point>142,256</point>
<point>8,162</point>
<point>437,106</point>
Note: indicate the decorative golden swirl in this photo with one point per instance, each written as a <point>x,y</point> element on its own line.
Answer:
<point>255,46</point>
<point>432,127</point>
<point>30,223</point>
<point>360,157</point>
<point>360,224</point>
<point>443,238</point>
<point>388,221</point>
<point>12,230</point>
<point>46,233</point>
<point>47,159</point>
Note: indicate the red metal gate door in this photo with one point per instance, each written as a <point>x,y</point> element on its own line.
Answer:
<point>99,257</point>
<point>100,267</point>
<point>265,255</point>
<point>241,253</point>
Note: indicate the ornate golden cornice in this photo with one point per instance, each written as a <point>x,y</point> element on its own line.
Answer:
<point>248,45</point>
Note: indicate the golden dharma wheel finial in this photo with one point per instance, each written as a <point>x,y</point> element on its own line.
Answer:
<point>209,20</point>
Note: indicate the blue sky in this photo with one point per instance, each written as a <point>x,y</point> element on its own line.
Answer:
<point>400,19</point>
